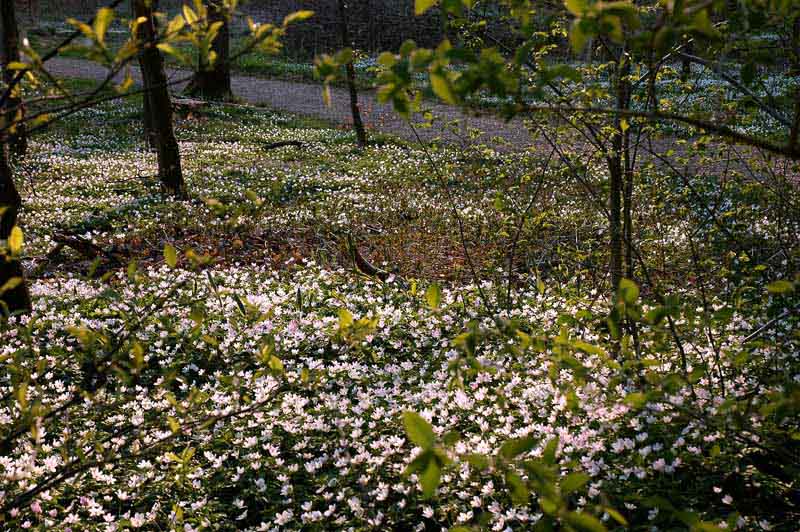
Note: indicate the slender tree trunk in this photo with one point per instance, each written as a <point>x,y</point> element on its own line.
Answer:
<point>213,82</point>
<point>617,172</point>
<point>17,137</point>
<point>159,105</point>
<point>358,124</point>
<point>686,64</point>
<point>794,54</point>
<point>615,219</point>
<point>18,299</point>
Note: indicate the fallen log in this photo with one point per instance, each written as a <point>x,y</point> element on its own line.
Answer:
<point>362,264</point>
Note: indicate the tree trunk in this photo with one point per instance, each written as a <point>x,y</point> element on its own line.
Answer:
<point>358,125</point>
<point>686,64</point>
<point>617,173</point>
<point>150,136</point>
<point>794,55</point>
<point>159,105</point>
<point>615,218</point>
<point>18,299</point>
<point>213,82</point>
<point>14,110</point>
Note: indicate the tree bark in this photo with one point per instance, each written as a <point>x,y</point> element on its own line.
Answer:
<point>159,105</point>
<point>18,299</point>
<point>617,173</point>
<point>794,54</point>
<point>213,82</point>
<point>150,136</point>
<point>14,110</point>
<point>358,124</point>
<point>686,63</point>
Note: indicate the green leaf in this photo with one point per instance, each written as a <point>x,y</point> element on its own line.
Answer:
<point>628,291</point>
<point>519,492</point>
<point>478,461</point>
<point>167,48</point>
<point>433,295</point>
<point>430,478</point>
<point>418,430</point>
<point>573,482</point>
<point>15,240</point>
<point>441,87</point>
<point>780,287</point>
<point>102,21</point>
<point>615,515</point>
<point>549,453</point>
<point>516,446</point>
<point>421,6</point>
<point>584,522</point>
<point>189,15</point>
<point>297,16</point>
<point>636,399</point>
<point>170,255</point>
<point>22,395</point>
<point>419,463</point>
<point>275,364</point>
<point>11,284</point>
<point>345,318</point>
<point>547,505</point>
<point>577,37</point>
<point>576,7</point>
<point>588,348</point>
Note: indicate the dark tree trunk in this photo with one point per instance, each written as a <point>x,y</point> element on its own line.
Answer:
<point>686,64</point>
<point>615,219</point>
<point>150,136</point>
<point>794,55</point>
<point>358,124</point>
<point>18,299</point>
<point>213,82</point>
<point>159,105</point>
<point>14,111</point>
<point>617,170</point>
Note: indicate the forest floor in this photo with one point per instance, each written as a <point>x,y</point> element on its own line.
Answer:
<point>241,374</point>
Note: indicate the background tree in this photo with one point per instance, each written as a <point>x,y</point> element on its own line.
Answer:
<point>212,81</point>
<point>350,76</point>
<point>158,105</point>
<point>14,295</point>
<point>17,138</point>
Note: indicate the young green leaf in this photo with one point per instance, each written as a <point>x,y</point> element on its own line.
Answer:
<point>421,6</point>
<point>297,16</point>
<point>430,478</point>
<point>780,287</point>
<point>418,430</point>
<point>102,21</point>
<point>345,318</point>
<point>516,446</point>
<point>15,240</point>
<point>628,291</point>
<point>573,482</point>
<point>549,453</point>
<point>433,295</point>
<point>441,87</point>
<point>170,255</point>
<point>584,522</point>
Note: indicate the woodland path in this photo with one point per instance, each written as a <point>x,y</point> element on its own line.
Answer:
<point>306,99</point>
